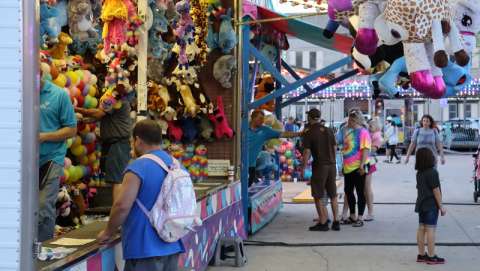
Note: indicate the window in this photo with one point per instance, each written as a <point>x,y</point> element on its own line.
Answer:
<point>313,61</point>
<point>415,112</point>
<point>468,111</point>
<point>452,111</point>
<point>298,59</point>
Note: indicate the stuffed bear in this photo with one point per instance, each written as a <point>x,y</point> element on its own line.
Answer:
<point>265,87</point>
<point>49,26</point>
<point>222,70</point>
<point>80,20</point>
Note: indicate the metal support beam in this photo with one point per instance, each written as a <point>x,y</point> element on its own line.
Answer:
<point>319,88</point>
<point>294,74</point>
<point>246,98</point>
<point>289,87</point>
<point>278,100</point>
<point>267,65</point>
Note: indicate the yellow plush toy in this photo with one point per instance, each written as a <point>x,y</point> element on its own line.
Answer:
<point>59,51</point>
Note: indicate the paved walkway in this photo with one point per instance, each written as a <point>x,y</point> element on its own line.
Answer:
<point>393,231</point>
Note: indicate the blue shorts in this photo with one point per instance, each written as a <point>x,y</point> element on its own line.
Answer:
<point>428,218</point>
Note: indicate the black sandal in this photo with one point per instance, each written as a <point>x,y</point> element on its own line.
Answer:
<point>347,221</point>
<point>357,224</point>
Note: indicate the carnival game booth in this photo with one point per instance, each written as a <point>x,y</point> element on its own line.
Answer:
<point>170,61</point>
<point>264,36</point>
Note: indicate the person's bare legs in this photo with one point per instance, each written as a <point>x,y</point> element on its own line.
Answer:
<point>430,233</point>
<point>345,213</point>
<point>334,204</point>
<point>321,211</point>
<point>421,234</point>
<point>369,195</point>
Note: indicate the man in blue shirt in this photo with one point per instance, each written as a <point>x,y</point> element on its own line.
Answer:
<point>257,135</point>
<point>142,247</point>
<point>57,124</point>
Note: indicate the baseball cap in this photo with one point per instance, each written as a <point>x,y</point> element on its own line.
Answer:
<point>314,113</point>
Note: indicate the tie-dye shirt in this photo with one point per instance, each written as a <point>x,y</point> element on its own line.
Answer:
<point>354,140</point>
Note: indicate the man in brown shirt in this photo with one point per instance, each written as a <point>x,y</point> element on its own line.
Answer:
<point>319,142</point>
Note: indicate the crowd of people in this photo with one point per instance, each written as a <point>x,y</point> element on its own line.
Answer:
<point>359,140</point>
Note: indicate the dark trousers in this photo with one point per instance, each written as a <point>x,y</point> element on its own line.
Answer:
<point>163,263</point>
<point>393,152</point>
<point>252,178</point>
<point>355,181</point>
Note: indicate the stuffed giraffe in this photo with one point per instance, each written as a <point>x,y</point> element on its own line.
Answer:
<point>59,51</point>
<point>421,26</point>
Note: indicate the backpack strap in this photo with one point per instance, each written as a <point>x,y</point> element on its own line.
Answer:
<point>157,160</point>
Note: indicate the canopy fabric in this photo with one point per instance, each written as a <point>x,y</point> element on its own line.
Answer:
<point>307,32</point>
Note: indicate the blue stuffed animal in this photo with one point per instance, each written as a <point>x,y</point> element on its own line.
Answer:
<point>227,38</point>
<point>49,26</point>
<point>266,165</point>
<point>160,22</point>
<point>455,77</point>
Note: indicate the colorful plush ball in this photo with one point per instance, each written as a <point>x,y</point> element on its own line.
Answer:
<point>290,162</point>
<point>81,86</point>
<point>69,143</point>
<point>289,145</point>
<point>89,137</point>
<point>66,175</point>
<point>79,150</point>
<point>77,141</point>
<point>73,76</point>
<point>92,91</point>
<point>288,154</point>
<point>67,162</point>
<point>80,100</point>
<point>80,75</point>
<point>92,157</point>
<point>61,80</point>
<point>83,160</point>
<point>283,159</point>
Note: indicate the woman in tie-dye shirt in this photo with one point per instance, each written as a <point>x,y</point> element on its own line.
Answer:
<point>356,143</point>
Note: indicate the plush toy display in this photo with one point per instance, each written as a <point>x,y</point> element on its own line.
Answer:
<point>265,87</point>
<point>80,20</point>
<point>222,70</point>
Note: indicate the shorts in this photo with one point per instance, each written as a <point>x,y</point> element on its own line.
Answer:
<point>115,158</point>
<point>324,181</point>
<point>428,218</point>
<point>163,263</point>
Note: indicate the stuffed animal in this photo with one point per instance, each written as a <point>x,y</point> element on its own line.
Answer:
<point>420,25</point>
<point>63,203</point>
<point>226,37</point>
<point>205,127</point>
<point>265,87</point>
<point>275,124</point>
<point>191,108</point>
<point>49,26</point>
<point>59,51</point>
<point>80,20</point>
<point>174,131</point>
<point>115,18</point>
<point>219,119</point>
<point>266,165</point>
<point>183,30</point>
<point>269,51</point>
<point>222,70</point>
<point>200,20</point>
<point>467,18</point>
<point>190,131</point>
<point>62,9</point>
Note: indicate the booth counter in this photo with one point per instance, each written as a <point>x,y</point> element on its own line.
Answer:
<point>219,205</point>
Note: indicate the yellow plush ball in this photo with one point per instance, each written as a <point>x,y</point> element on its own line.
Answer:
<point>69,143</point>
<point>73,77</point>
<point>80,75</point>
<point>93,102</point>
<point>76,142</point>
<point>84,160</point>
<point>92,91</point>
<point>61,80</point>
<point>78,150</point>
<point>92,158</point>
<point>66,174</point>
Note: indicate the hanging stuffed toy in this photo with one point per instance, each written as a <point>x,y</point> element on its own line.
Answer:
<point>265,87</point>
<point>219,119</point>
<point>226,37</point>
<point>115,15</point>
<point>270,52</point>
<point>191,108</point>
<point>223,69</point>
<point>59,51</point>
<point>183,30</point>
<point>189,129</point>
<point>205,127</point>
<point>200,20</point>
<point>420,25</point>
<point>80,20</point>
<point>49,26</point>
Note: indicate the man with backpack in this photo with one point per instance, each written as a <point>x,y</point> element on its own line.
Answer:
<point>143,248</point>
